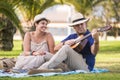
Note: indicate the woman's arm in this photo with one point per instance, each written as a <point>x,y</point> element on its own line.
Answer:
<point>26,44</point>
<point>51,43</point>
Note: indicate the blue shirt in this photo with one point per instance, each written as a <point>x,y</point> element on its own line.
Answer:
<point>86,51</point>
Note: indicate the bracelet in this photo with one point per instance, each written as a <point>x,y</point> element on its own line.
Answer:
<point>31,53</point>
<point>96,42</point>
<point>64,43</point>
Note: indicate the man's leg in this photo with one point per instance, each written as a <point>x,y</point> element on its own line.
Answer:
<point>57,58</point>
<point>72,58</point>
<point>75,61</point>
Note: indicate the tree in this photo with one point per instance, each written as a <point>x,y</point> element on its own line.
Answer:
<point>28,9</point>
<point>7,30</point>
<point>112,11</point>
<point>6,34</point>
<point>83,6</point>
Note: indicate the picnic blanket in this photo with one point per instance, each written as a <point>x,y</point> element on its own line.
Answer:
<point>24,74</point>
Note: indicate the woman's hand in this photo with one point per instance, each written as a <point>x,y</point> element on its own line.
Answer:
<point>39,53</point>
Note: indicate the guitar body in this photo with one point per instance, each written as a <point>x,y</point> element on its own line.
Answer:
<point>79,46</point>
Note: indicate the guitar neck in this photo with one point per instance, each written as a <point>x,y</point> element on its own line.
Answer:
<point>102,29</point>
<point>83,38</point>
<point>86,36</point>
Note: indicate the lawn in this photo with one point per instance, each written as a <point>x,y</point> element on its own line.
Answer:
<point>108,57</point>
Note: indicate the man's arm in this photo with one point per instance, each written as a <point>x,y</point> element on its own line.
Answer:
<point>95,46</point>
<point>58,46</point>
<point>68,42</point>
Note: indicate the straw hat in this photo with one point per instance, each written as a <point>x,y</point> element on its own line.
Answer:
<point>40,17</point>
<point>77,18</point>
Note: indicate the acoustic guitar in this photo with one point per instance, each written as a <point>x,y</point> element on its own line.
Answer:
<point>81,41</point>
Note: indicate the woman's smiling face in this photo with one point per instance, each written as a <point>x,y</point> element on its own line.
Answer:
<point>42,25</point>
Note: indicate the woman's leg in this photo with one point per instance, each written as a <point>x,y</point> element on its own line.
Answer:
<point>19,62</point>
<point>33,62</point>
<point>28,62</point>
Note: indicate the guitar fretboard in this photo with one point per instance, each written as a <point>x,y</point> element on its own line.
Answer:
<point>83,38</point>
<point>102,29</point>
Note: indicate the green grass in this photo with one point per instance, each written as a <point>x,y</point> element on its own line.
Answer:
<point>17,49</point>
<point>108,57</point>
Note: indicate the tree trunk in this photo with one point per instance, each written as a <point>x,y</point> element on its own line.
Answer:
<point>7,31</point>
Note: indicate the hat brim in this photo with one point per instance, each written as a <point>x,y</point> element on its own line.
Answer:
<point>41,20</point>
<point>78,22</point>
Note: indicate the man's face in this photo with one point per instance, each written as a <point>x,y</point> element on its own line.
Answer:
<point>80,28</point>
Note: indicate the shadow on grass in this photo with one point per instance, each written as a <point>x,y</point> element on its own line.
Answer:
<point>110,49</point>
<point>113,67</point>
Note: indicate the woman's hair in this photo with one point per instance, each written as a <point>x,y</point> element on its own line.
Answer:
<point>41,20</point>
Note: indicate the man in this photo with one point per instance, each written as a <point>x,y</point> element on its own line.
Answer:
<point>85,58</point>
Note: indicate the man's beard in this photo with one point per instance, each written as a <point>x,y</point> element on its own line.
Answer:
<point>80,33</point>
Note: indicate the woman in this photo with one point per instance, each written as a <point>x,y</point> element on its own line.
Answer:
<point>38,46</point>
